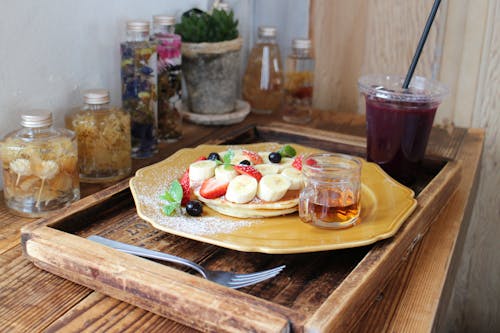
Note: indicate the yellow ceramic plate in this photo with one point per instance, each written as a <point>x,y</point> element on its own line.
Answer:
<point>385,204</point>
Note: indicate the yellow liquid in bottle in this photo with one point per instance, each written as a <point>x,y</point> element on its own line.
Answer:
<point>263,80</point>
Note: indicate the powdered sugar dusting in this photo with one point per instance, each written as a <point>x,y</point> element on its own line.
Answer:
<point>181,222</point>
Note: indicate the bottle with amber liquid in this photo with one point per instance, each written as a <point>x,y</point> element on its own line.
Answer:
<point>39,163</point>
<point>263,79</point>
<point>299,81</point>
<point>103,137</point>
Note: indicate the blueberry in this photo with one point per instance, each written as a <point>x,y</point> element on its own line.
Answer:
<point>275,157</point>
<point>194,208</point>
<point>214,157</point>
<point>245,162</point>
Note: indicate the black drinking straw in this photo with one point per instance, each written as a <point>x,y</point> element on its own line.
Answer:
<point>421,43</point>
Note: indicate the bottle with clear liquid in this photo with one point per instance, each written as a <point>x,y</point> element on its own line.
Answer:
<point>138,74</point>
<point>299,81</point>
<point>169,60</point>
<point>263,79</point>
<point>103,136</point>
<point>39,163</point>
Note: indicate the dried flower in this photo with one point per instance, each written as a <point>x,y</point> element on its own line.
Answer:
<point>21,167</point>
<point>47,171</point>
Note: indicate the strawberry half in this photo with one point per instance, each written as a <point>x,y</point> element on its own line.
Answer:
<point>253,157</point>
<point>248,170</point>
<point>297,162</point>
<point>186,191</point>
<point>213,188</point>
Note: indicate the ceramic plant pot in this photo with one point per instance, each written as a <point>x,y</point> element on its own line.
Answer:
<point>211,72</point>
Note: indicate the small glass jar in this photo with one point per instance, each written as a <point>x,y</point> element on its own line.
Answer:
<point>103,136</point>
<point>331,195</point>
<point>263,79</point>
<point>299,81</point>
<point>169,60</point>
<point>138,74</point>
<point>40,170</point>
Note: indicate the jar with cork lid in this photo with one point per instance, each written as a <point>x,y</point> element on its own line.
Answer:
<point>103,137</point>
<point>39,163</point>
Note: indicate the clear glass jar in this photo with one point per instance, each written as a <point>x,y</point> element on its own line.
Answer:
<point>263,79</point>
<point>103,137</point>
<point>40,170</point>
<point>299,82</point>
<point>332,191</point>
<point>138,75</point>
<point>169,60</point>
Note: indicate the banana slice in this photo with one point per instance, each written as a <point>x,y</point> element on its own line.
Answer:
<point>225,173</point>
<point>238,157</point>
<point>286,162</point>
<point>265,156</point>
<point>267,169</point>
<point>295,178</point>
<point>201,170</point>
<point>273,187</point>
<point>241,189</point>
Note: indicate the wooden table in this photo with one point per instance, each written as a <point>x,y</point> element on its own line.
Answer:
<point>412,300</point>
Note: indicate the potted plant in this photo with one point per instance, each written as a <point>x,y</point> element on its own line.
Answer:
<point>210,60</point>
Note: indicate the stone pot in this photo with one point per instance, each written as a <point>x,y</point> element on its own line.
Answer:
<point>211,72</point>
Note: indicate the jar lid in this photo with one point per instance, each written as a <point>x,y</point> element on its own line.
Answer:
<point>164,20</point>
<point>139,26</point>
<point>301,43</point>
<point>267,31</point>
<point>36,118</point>
<point>96,96</point>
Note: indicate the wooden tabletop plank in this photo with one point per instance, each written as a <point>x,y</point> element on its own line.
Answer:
<point>420,284</point>
<point>77,308</point>
<point>100,313</point>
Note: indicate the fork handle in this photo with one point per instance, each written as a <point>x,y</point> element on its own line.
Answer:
<point>145,253</point>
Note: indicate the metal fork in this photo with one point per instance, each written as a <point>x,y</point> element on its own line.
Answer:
<point>228,279</point>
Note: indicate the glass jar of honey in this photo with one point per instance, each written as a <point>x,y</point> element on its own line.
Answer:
<point>39,165</point>
<point>103,136</point>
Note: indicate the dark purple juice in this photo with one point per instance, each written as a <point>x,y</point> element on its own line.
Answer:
<point>397,135</point>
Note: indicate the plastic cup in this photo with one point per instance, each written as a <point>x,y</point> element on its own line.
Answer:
<point>399,121</point>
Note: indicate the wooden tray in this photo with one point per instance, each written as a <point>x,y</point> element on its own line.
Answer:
<point>321,292</point>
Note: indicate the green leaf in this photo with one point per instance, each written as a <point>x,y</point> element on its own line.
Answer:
<point>287,151</point>
<point>175,191</point>
<point>173,197</point>
<point>228,167</point>
<point>228,156</point>
<point>170,208</point>
<point>166,196</point>
<point>197,26</point>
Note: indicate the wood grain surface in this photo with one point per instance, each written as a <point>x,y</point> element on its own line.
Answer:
<point>77,308</point>
<point>353,38</point>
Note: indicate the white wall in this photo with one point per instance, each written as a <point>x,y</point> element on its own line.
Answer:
<point>52,50</point>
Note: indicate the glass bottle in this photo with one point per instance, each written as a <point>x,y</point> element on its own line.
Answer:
<point>103,137</point>
<point>299,81</point>
<point>263,79</point>
<point>169,60</point>
<point>138,74</point>
<point>39,165</point>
